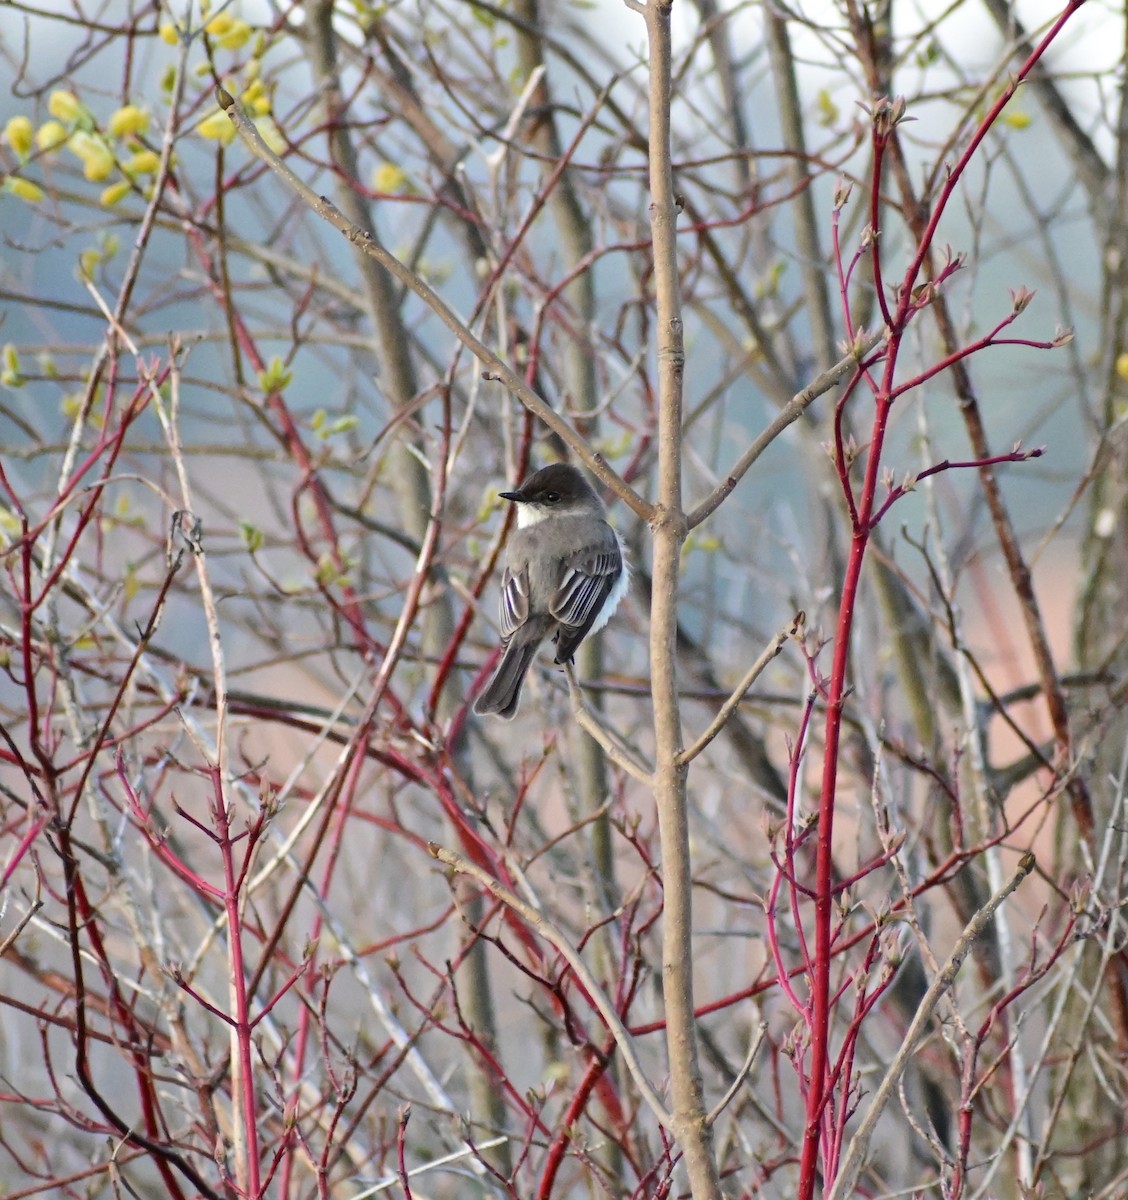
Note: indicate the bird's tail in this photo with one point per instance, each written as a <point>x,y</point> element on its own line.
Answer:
<point>503,692</point>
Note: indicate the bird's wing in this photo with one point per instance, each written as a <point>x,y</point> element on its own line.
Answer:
<point>514,600</point>
<point>588,579</point>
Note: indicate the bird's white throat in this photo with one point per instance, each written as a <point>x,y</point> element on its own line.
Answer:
<point>530,514</point>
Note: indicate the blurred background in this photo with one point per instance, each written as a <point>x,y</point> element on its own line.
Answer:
<point>250,556</point>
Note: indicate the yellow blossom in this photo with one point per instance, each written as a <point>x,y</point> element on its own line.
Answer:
<point>219,25</point>
<point>115,193</point>
<point>98,167</point>
<point>217,128</point>
<point>388,178</point>
<point>64,106</point>
<point>236,37</point>
<point>50,136</point>
<point>256,98</point>
<point>128,119</point>
<point>271,134</point>
<point>10,374</point>
<point>97,161</point>
<point>17,133</point>
<point>144,162</point>
<point>1122,365</point>
<point>169,34</point>
<point>229,32</point>
<point>24,188</point>
<point>10,524</point>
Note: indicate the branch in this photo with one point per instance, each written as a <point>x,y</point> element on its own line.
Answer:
<point>729,707</point>
<point>590,723</point>
<point>1092,170</point>
<point>498,368</point>
<point>1017,455</point>
<point>843,1186</point>
<point>791,412</point>
<point>669,529</point>
<point>741,1075</point>
<point>556,938</point>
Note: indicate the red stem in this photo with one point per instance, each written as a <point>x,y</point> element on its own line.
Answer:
<point>821,1084</point>
<point>819,1089</point>
<point>576,1106</point>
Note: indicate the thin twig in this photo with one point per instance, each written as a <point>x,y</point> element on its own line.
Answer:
<point>741,1075</point>
<point>843,1186</point>
<point>791,412</point>
<point>363,239</point>
<point>444,1161</point>
<point>555,937</point>
<point>590,723</point>
<point>730,705</point>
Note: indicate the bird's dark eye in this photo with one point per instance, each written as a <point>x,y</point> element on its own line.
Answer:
<point>553,497</point>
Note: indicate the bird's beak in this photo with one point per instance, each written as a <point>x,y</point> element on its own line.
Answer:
<point>513,496</point>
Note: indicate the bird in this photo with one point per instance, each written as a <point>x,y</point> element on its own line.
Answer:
<point>565,574</point>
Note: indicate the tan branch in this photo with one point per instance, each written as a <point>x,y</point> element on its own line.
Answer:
<point>556,938</point>
<point>363,240</point>
<point>800,402</point>
<point>730,705</point>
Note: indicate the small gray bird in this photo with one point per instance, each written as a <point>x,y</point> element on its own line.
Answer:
<point>565,574</point>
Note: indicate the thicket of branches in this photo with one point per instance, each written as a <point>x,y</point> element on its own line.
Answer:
<point>813,888</point>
